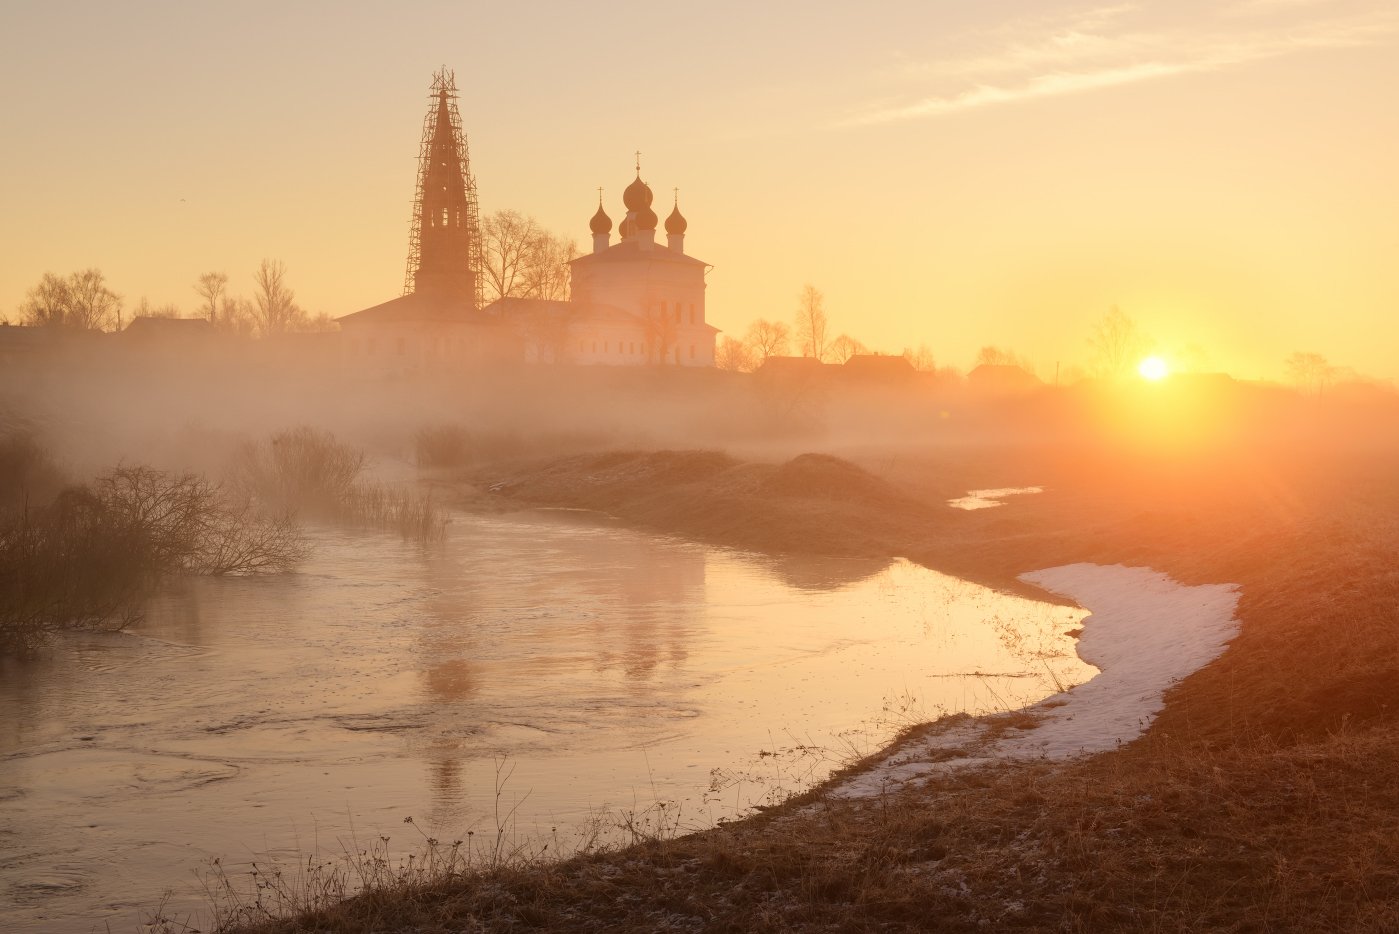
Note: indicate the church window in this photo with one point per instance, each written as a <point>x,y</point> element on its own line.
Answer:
<point>594,346</point>
<point>692,351</point>
<point>631,346</point>
<point>444,217</point>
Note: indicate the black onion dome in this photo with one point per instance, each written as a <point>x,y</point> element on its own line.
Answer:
<point>601,223</point>
<point>625,230</point>
<point>637,196</point>
<point>676,223</point>
<point>646,219</point>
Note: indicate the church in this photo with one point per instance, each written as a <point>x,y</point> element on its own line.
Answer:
<point>635,302</point>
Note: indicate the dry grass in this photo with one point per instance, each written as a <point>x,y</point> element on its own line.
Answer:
<point>1264,798</point>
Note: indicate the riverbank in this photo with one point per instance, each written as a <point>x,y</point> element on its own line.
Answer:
<point>1263,797</point>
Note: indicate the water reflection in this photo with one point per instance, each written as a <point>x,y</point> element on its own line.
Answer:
<point>389,679</point>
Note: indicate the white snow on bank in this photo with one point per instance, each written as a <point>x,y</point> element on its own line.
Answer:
<point>1144,633</point>
<point>985,499</point>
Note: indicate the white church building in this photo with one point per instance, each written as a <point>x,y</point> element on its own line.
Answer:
<point>632,303</point>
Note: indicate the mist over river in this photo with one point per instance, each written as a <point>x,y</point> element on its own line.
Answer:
<point>574,666</point>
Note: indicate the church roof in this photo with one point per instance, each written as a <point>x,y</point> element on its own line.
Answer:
<point>579,312</point>
<point>414,306</point>
<point>630,251</point>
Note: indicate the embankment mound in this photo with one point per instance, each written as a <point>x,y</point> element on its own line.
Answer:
<point>812,504</point>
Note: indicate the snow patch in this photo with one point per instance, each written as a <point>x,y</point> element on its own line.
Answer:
<point>1144,633</point>
<point>985,499</point>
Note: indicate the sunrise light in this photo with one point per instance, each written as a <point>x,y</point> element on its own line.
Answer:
<point>1153,369</point>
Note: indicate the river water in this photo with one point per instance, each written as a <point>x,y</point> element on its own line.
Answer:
<point>548,663</point>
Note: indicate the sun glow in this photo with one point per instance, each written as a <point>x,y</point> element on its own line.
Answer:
<point>1153,368</point>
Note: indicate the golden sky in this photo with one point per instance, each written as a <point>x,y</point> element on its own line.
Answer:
<point>948,173</point>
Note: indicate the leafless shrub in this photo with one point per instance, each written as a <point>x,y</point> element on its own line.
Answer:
<point>410,513</point>
<point>90,558</point>
<point>28,476</point>
<point>301,469</point>
<point>442,446</point>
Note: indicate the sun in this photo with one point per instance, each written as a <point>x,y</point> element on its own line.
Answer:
<point>1153,368</point>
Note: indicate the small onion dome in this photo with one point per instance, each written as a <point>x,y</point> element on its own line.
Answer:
<point>676,223</point>
<point>637,196</point>
<point>646,219</point>
<point>626,228</point>
<point>601,223</point>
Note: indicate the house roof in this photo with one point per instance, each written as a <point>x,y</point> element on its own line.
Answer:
<point>879,366</point>
<point>630,250</point>
<point>148,326</point>
<point>790,365</point>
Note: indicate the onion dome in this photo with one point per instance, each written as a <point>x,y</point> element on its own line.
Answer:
<point>626,228</point>
<point>646,219</point>
<point>601,223</point>
<point>638,196</point>
<point>676,223</point>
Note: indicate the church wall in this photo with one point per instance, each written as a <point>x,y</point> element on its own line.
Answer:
<point>399,349</point>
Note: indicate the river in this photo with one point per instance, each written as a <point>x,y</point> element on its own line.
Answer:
<point>549,663</point>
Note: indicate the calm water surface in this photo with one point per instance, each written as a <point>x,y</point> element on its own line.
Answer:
<point>598,668</point>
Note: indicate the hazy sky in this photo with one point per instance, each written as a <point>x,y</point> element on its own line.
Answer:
<point>954,173</point>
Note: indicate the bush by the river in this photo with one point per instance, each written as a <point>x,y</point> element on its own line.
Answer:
<point>313,473</point>
<point>302,469</point>
<point>90,556</point>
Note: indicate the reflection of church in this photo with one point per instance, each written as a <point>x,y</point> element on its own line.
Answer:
<point>633,302</point>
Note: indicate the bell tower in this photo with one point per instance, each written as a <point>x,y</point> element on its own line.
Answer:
<point>444,248</point>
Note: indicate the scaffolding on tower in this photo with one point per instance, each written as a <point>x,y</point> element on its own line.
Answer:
<point>445,80</point>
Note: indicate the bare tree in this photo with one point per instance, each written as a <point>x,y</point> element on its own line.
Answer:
<point>1310,372</point>
<point>274,307</point>
<point>920,359</point>
<point>844,347</point>
<point>767,338</point>
<point>91,304</point>
<point>237,317</point>
<point>1117,344</point>
<point>82,302</point>
<point>520,259</point>
<point>548,273</point>
<point>211,287</point>
<point>734,355</point>
<point>811,323</point>
<point>46,305</point>
<point>144,309</point>
<point>659,329</point>
<point>995,356</point>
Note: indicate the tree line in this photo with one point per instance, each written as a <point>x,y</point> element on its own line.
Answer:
<point>83,301</point>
